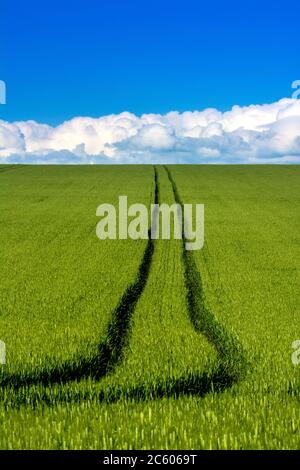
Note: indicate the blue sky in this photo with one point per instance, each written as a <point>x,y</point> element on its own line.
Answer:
<point>156,81</point>
<point>62,59</point>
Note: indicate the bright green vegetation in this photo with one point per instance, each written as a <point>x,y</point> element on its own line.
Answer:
<point>59,284</point>
<point>134,344</point>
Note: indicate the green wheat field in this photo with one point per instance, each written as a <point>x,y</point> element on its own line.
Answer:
<point>139,344</point>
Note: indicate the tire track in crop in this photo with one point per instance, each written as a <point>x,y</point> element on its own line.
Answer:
<point>109,352</point>
<point>232,361</point>
<point>229,369</point>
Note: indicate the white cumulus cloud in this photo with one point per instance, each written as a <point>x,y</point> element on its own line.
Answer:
<point>251,134</point>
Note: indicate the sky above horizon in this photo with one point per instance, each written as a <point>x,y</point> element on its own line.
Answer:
<point>62,60</point>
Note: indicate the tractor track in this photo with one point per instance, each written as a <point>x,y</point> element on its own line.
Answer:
<point>109,352</point>
<point>230,367</point>
<point>232,360</point>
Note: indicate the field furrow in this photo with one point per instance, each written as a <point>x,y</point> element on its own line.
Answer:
<point>108,353</point>
<point>56,294</point>
<point>232,361</point>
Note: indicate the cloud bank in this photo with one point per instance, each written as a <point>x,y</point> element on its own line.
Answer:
<point>267,133</point>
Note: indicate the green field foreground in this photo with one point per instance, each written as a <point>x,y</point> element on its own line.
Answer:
<point>138,345</point>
